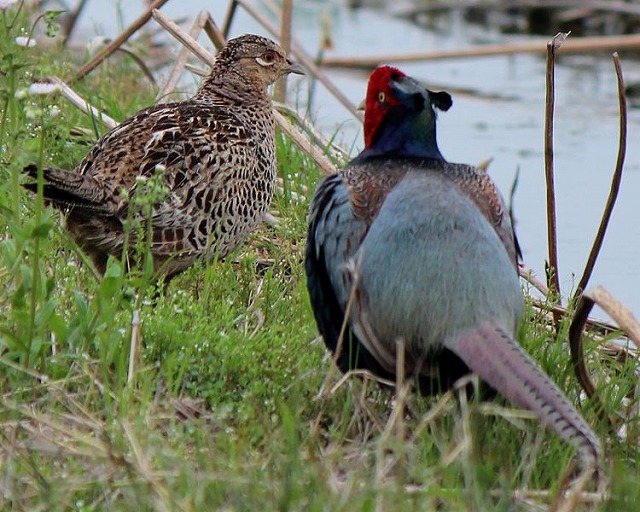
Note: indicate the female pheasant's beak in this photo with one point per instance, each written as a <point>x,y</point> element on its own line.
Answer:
<point>295,68</point>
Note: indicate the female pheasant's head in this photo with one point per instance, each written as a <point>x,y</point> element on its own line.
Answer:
<point>248,65</point>
<point>399,115</point>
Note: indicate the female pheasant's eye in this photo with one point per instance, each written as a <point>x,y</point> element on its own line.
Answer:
<point>381,97</point>
<point>267,59</point>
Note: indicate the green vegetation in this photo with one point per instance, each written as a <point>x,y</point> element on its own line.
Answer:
<point>232,403</point>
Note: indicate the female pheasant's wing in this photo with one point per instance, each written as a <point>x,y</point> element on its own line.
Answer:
<point>207,158</point>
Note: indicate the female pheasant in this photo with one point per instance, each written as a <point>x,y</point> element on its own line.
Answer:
<point>216,154</point>
<point>410,247</point>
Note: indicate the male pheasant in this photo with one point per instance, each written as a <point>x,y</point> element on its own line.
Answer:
<point>216,154</point>
<point>410,247</point>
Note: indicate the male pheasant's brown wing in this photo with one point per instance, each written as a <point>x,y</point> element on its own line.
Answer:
<point>479,186</point>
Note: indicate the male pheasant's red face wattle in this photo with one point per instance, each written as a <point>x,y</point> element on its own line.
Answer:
<point>379,99</point>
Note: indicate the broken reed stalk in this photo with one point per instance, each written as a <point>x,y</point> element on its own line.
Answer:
<point>331,149</point>
<point>325,43</point>
<point>134,348</point>
<point>575,45</point>
<point>446,5</point>
<point>552,239</point>
<point>82,104</point>
<point>594,325</point>
<point>183,38</point>
<point>213,32</point>
<point>615,181</point>
<point>616,310</point>
<point>140,62</point>
<point>228,19</point>
<point>115,44</point>
<point>70,24</point>
<point>528,275</point>
<point>181,60</point>
<point>280,93</point>
<point>396,421</point>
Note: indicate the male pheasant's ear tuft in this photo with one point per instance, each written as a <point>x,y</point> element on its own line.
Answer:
<point>440,100</point>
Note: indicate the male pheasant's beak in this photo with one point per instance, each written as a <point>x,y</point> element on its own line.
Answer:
<point>362,106</point>
<point>295,68</point>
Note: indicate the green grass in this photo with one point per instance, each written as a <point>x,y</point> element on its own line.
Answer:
<point>233,404</point>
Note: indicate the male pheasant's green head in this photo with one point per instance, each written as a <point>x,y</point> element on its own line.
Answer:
<point>255,59</point>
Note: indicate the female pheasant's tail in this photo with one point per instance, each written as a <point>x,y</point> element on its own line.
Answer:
<point>70,190</point>
<point>498,360</point>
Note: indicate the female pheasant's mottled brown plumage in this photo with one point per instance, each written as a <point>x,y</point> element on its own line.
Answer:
<point>216,153</point>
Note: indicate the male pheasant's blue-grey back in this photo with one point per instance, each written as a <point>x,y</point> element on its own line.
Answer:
<point>216,154</point>
<point>412,248</point>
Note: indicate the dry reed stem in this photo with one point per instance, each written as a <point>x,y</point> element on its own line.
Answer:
<point>528,275</point>
<point>616,310</point>
<point>436,5</point>
<point>183,37</point>
<point>603,328</point>
<point>280,93</point>
<point>115,44</point>
<point>82,104</point>
<point>181,59</point>
<point>140,462</point>
<point>396,423</point>
<point>344,328</point>
<point>300,55</point>
<point>572,46</point>
<point>333,150</point>
<point>213,32</point>
<point>615,181</point>
<point>70,24</point>
<point>228,19</point>
<point>552,237</point>
<point>323,163</point>
<point>76,437</point>
<point>568,495</point>
<point>134,348</point>
<point>462,449</point>
<point>444,404</point>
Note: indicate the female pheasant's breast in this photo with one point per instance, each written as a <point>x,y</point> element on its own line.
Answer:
<point>237,190</point>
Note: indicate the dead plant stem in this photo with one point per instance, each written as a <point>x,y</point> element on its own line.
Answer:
<point>552,237</point>
<point>615,181</point>
<point>115,44</point>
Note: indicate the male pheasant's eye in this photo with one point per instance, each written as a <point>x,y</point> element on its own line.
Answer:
<point>267,59</point>
<point>381,97</point>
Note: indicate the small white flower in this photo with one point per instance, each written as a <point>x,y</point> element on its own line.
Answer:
<point>25,41</point>
<point>32,112</point>
<point>21,93</point>
<point>95,43</point>
<point>54,112</point>
<point>43,88</point>
<point>5,4</point>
